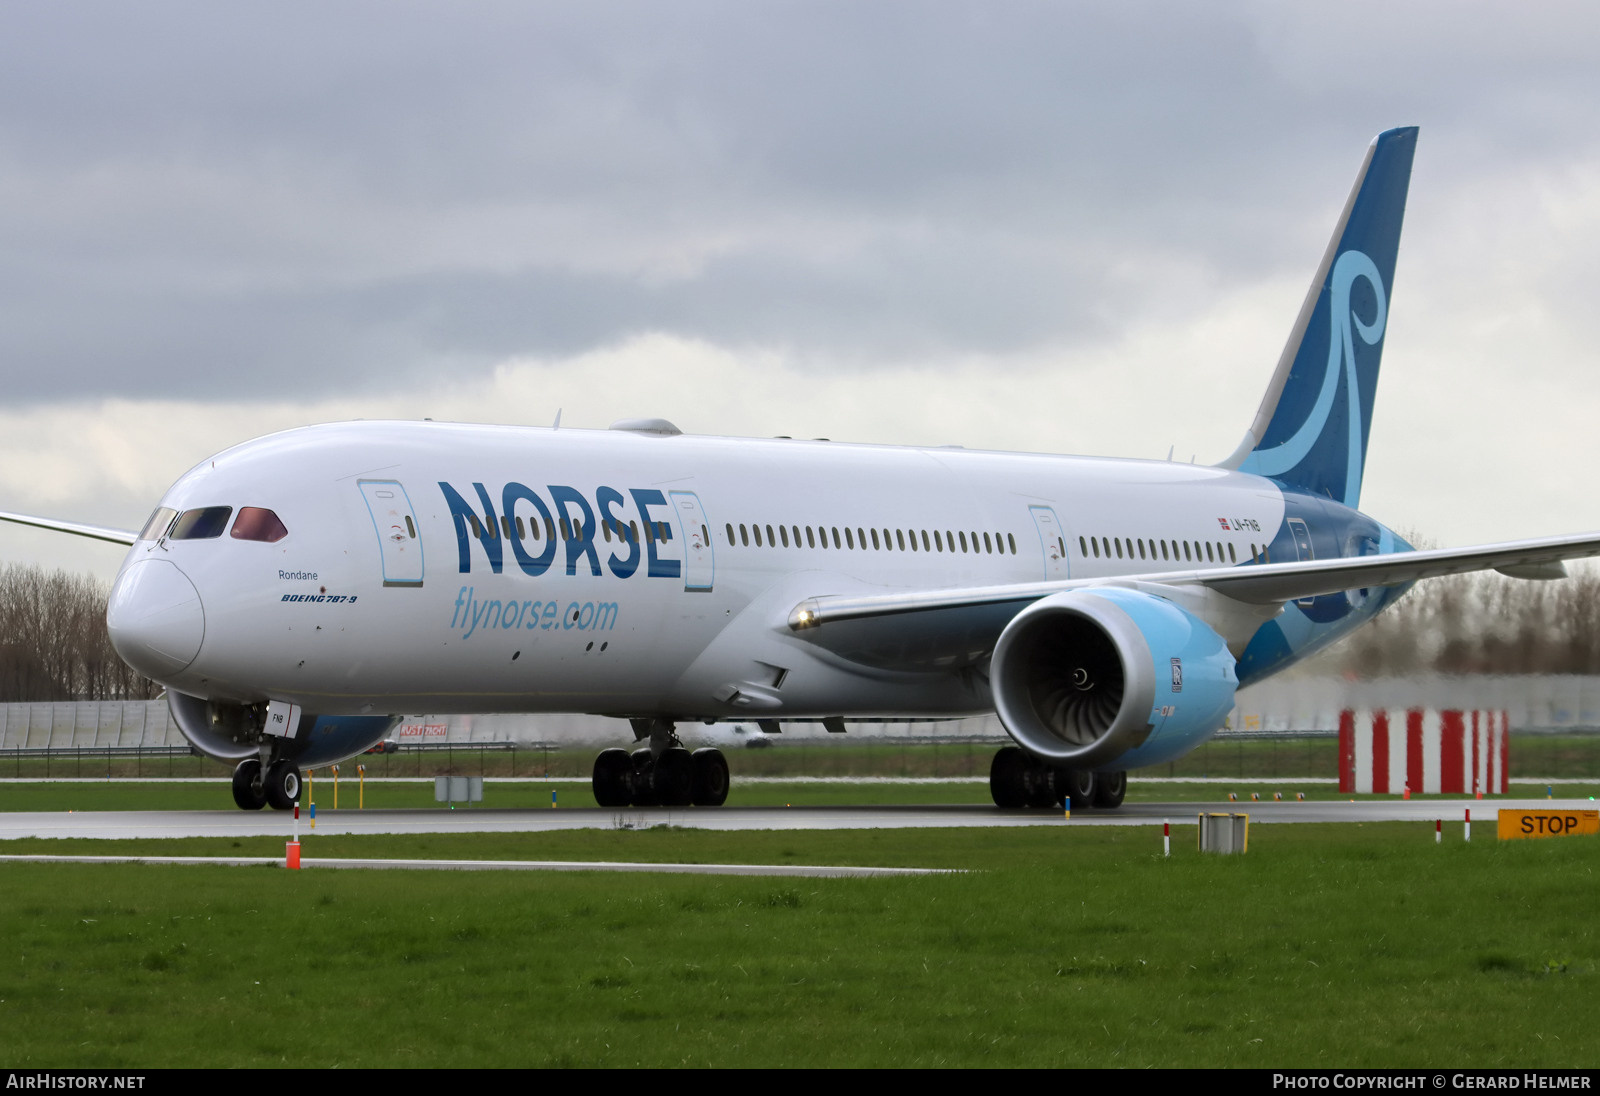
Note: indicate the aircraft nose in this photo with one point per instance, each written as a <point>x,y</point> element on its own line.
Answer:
<point>155,617</point>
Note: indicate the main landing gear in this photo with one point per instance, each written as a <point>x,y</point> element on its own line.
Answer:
<point>279,788</point>
<point>663,774</point>
<point>1018,779</point>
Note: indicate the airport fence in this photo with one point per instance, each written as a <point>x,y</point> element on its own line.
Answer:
<point>139,740</point>
<point>1533,756</point>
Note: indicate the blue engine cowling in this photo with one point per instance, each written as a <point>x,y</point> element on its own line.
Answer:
<point>231,732</point>
<point>1110,678</point>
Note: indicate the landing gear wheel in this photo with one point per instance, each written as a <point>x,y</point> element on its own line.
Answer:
<point>613,778</point>
<point>1006,777</point>
<point>1042,784</point>
<point>674,778</point>
<point>710,778</point>
<point>1109,789</point>
<point>644,780</point>
<point>247,789</point>
<point>282,785</point>
<point>1080,785</point>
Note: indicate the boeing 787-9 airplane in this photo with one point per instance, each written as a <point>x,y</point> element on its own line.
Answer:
<point>296,593</point>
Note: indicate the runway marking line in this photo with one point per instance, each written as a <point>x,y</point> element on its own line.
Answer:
<point>804,870</point>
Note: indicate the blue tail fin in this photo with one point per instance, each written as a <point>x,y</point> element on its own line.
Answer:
<point>1312,428</point>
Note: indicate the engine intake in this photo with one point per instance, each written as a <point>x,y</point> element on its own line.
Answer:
<point>1110,679</point>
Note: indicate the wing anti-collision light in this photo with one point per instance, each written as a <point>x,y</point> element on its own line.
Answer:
<point>804,616</point>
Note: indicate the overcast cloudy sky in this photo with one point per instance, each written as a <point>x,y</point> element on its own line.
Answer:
<point>1053,227</point>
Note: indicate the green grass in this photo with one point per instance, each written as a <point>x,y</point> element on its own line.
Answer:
<point>1325,945</point>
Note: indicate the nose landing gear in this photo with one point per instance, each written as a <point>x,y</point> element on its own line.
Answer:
<point>248,790</point>
<point>279,788</point>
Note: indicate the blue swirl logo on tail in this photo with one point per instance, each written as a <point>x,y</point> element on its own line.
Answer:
<point>1314,441</point>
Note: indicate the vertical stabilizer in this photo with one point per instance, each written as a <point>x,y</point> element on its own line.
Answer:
<point>1312,428</point>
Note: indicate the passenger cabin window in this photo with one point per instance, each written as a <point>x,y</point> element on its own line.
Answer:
<point>160,521</point>
<point>206,523</point>
<point>258,523</point>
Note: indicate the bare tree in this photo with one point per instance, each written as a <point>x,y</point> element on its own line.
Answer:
<point>53,640</point>
<point>1483,623</point>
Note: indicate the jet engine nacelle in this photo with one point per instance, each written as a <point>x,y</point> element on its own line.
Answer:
<point>232,732</point>
<point>1110,679</point>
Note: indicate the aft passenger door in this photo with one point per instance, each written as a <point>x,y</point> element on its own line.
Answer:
<point>396,525</point>
<point>1302,548</point>
<point>699,565</point>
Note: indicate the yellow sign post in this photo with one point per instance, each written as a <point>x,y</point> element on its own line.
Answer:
<point>1519,824</point>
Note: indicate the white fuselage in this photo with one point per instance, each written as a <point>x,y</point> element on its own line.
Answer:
<point>358,610</point>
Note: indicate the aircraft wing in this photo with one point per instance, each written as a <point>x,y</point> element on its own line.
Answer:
<point>77,528</point>
<point>956,627</point>
<point>1280,582</point>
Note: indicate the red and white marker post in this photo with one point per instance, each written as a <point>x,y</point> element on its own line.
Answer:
<point>291,852</point>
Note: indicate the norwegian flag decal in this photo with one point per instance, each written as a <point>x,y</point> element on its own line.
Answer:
<point>1223,522</point>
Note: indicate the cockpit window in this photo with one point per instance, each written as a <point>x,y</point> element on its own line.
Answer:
<point>258,523</point>
<point>205,523</point>
<point>158,523</point>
